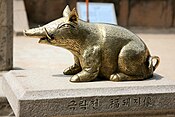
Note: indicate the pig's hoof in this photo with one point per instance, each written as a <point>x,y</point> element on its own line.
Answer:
<point>115,77</point>
<point>75,78</point>
<point>68,71</point>
<point>74,69</point>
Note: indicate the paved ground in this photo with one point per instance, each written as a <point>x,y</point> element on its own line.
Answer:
<point>29,54</point>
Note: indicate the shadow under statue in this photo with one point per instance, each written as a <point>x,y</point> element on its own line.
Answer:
<point>100,50</point>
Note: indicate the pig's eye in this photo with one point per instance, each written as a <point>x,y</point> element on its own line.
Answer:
<point>66,25</point>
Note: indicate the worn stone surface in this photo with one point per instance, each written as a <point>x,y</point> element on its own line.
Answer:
<point>6,34</point>
<point>44,93</point>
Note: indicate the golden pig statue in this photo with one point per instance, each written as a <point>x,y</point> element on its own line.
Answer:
<point>100,50</point>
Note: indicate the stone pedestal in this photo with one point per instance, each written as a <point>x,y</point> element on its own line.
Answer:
<point>6,34</point>
<point>47,93</point>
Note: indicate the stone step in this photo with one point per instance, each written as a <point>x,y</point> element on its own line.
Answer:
<point>46,93</point>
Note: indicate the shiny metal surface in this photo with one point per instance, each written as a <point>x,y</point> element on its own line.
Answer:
<point>105,51</point>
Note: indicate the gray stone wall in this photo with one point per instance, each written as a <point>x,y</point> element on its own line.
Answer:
<point>6,34</point>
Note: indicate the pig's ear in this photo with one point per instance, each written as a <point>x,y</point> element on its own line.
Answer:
<point>73,16</point>
<point>66,11</point>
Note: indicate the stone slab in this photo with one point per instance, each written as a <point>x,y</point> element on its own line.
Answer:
<point>46,93</point>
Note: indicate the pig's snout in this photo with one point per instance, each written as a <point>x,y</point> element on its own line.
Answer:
<point>35,32</point>
<point>24,32</point>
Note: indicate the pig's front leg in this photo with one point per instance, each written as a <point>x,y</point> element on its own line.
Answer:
<point>91,62</point>
<point>74,69</point>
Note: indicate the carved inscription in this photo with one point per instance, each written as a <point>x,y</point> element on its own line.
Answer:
<point>112,103</point>
<point>83,104</point>
<point>117,103</point>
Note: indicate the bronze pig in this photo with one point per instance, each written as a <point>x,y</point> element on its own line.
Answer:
<point>100,50</point>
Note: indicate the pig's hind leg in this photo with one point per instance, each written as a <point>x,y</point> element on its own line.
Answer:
<point>132,63</point>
